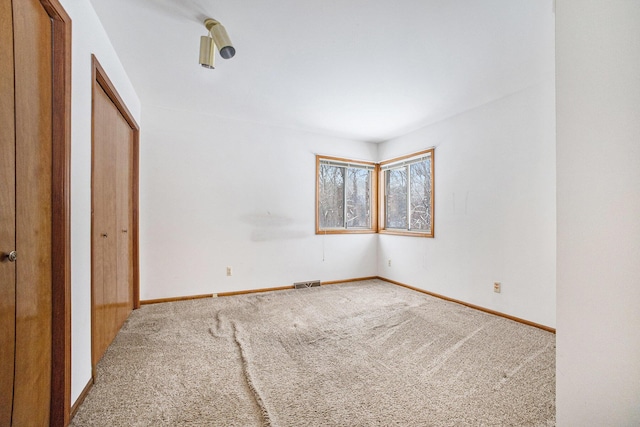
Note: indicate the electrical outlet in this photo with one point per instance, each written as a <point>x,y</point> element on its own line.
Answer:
<point>497,287</point>
<point>389,263</point>
<point>229,271</point>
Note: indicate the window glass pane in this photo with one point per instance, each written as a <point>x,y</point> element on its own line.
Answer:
<point>396,204</point>
<point>331,195</point>
<point>420,195</point>
<point>357,187</point>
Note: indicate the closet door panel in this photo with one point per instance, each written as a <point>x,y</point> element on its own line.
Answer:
<point>7,214</point>
<point>33,156</point>
<point>123,209</point>
<point>105,233</point>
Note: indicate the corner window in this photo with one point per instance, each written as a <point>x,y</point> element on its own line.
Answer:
<point>345,196</point>
<point>407,195</point>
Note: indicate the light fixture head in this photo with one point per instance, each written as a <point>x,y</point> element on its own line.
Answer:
<point>220,37</point>
<point>207,52</point>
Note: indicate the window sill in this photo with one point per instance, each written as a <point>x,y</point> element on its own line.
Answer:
<point>346,231</point>
<point>407,233</point>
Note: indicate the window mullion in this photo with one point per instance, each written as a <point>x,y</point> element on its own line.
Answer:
<point>408,197</point>
<point>386,198</point>
<point>344,197</point>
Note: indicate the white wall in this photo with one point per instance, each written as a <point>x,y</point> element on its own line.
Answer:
<point>494,207</point>
<point>598,152</point>
<point>88,37</point>
<point>217,193</point>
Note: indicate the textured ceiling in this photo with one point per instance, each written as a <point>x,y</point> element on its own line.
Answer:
<point>364,70</point>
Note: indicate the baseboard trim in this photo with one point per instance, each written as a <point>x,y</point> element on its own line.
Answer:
<point>476,307</point>
<point>254,291</point>
<point>356,279</point>
<point>174,299</point>
<point>284,288</point>
<point>81,398</point>
<point>247,291</point>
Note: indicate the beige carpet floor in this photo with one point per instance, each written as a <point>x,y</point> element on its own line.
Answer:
<point>357,354</point>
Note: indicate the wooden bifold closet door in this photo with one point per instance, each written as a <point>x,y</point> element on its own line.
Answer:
<point>25,213</point>
<point>112,221</point>
<point>35,139</point>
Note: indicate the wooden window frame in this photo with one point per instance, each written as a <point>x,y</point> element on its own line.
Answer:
<point>373,197</point>
<point>382,229</point>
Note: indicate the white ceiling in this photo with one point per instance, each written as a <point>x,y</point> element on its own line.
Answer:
<point>367,70</point>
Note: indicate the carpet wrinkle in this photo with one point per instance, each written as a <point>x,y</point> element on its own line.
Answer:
<point>357,354</point>
<point>246,367</point>
<point>168,376</point>
<point>218,330</point>
<point>427,344</point>
<point>389,330</point>
<point>440,361</point>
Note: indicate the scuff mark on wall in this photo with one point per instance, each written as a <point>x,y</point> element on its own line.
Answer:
<point>273,227</point>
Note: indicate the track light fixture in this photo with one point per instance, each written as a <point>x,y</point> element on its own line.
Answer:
<point>217,37</point>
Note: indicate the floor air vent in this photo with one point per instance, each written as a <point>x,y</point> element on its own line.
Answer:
<point>309,284</point>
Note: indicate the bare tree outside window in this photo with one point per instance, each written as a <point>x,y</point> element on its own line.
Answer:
<point>331,193</point>
<point>408,195</point>
<point>396,206</point>
<point>358,197</point>
<point>420,195</point>
<point>345,196</point>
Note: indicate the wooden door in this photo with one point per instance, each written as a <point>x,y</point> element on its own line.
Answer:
<point>124,258</point>
<point>7,213</point>
<point>33,100</point>
<point>27,155</point>
<point>104,237</point>
<point>112,220</point>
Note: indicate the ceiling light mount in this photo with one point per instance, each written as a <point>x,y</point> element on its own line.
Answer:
<point>217,37</point>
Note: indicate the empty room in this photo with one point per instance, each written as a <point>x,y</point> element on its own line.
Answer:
<point>413,213</point>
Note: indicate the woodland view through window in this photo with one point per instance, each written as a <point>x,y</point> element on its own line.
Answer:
<point>347,190</point>
<point>407,185</point>
<point>345,196</point>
